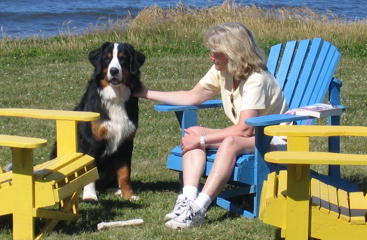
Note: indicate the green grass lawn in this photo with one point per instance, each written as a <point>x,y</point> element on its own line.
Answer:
<point>53,73</point>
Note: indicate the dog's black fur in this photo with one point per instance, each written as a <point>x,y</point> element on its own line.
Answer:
<point>114,165</point>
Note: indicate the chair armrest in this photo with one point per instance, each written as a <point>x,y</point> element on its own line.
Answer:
<point>187,114</point>
<point>22,148</point>
<point>315,131</point>
<point>173,108</point>
<point>21,142</point>
<point>298,139</point>
<point>323,158</point>
<point>274,119</point>
<point>66,124</point>
<point>49,114</point>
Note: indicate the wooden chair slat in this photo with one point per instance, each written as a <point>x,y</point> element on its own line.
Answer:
<point>314,80</point>
<point>319,84</point>
<point>333,200</point>
<point>305,76</point>
<point>358,207</point>
<point>343,201</point>
<point>315,192</point>
<point>273,58</point>
<point>295,71</point>
<point>330,66</point>
<point>282,184</point>
<point>324,193</point>
<point>270,192</point>
<point>286,62</point>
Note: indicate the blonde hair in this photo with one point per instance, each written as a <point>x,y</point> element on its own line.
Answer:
<point>239,44</point>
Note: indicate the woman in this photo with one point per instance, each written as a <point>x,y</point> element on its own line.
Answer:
<point>247,90</point>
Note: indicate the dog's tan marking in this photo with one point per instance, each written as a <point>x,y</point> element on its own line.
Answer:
<point>121,54</point>
<point>123,179</point>
<point>104,83</point>
<point>99,131</point>
<point>109,55</point>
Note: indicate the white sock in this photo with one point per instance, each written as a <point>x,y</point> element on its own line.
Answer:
<point>203,201</point>
<point>191,192</point>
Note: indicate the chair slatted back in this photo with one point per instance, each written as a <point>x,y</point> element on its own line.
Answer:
<point>303,69</point>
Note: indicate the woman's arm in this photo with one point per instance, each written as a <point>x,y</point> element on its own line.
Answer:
<point>191,139</point>
<point>196,95</point>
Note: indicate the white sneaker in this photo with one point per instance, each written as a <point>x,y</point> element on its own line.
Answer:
<point>180,206</point>
<point>192,216</point>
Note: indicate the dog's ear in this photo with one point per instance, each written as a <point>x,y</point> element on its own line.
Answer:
<point>137,59</point>
<point>96,55</point>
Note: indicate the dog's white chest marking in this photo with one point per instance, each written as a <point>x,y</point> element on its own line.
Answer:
<point>119,126</point>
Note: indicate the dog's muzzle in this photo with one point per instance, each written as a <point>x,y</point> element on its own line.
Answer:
<point>115,76</point>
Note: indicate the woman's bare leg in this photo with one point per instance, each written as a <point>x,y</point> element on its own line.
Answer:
<point>222,169</point>
<point>194,161</point>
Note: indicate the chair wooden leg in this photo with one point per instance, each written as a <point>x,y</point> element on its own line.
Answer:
<point>23,221</point>
<point>298,187</point>
<point>66,206</point>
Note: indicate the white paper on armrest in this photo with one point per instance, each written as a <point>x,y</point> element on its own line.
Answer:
<point>278,144</point>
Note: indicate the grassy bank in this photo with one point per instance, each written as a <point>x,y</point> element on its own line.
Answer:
<point>52,73</point>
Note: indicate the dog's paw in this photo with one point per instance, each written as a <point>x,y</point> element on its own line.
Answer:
<point>130,198</point>
<point>134,198</point>
<point>90,198</point>
<point>89,193</point>
<point>99,130</point>
<point>115,191</point>
<point>118,192</point>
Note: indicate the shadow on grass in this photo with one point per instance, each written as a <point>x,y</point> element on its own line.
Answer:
<point>160,186</point>
<point>93,213</point>
<point>110,206</point>
<point>6,222</point>
<point>225,216</point>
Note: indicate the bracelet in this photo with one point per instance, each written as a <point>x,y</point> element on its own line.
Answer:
<point>202,141</point>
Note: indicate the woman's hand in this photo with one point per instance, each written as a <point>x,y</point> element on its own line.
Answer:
<point>190,141</point>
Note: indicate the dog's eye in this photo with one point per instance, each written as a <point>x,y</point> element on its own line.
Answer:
<point>107,59</point>
<point>124,61</point>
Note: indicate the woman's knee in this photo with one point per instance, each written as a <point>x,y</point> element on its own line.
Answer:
<point>229,142</point>
<point>227,147</point>
<point>227,151</point>
<point>237,145</point>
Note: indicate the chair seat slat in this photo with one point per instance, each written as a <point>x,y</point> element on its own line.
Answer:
<point>358,207</point>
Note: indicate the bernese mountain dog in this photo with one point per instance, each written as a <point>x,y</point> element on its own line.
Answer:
<point>110,139</point>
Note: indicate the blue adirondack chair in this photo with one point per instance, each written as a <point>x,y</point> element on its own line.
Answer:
<point>305,70</point>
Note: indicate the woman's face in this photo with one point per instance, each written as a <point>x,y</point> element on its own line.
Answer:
<point>220,60</point>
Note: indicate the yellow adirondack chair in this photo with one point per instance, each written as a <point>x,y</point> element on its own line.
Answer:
<point>303,206</point>
<point>27,190</point>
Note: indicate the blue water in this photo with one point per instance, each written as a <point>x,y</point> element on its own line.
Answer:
<point>45,18</point>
